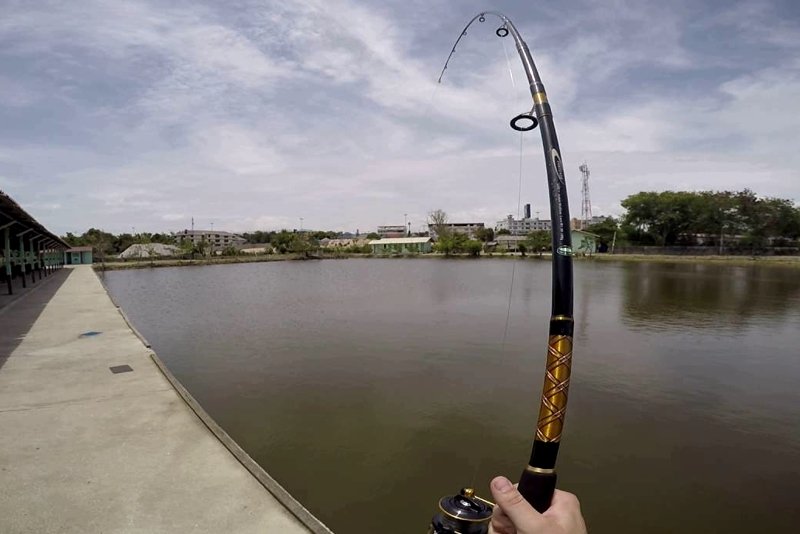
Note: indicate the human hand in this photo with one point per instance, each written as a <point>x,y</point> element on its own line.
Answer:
<point>513,514</point>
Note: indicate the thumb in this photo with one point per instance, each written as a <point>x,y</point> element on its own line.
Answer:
<point>511,501</point>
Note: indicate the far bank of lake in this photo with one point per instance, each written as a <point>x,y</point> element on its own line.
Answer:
<point>779,261</point>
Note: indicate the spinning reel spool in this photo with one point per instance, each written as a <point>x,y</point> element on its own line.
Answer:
<point>464,513</point>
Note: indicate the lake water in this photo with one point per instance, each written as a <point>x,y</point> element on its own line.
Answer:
<point>370,388</point>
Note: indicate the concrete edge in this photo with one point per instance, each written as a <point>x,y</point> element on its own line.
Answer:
<point>270,484</point>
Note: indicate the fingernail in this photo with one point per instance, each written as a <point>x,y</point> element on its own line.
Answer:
<point>502,484</point>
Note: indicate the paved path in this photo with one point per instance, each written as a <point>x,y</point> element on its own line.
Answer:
<point>84,450</point>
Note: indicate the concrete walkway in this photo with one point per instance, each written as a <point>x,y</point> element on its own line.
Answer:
<point>85,450</point>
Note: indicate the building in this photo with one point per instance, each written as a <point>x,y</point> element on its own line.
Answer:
<point>214,239</point>
<point>149,250</point>
<point>342,243</point>
<point>78,256</point>
<point>468,229</point>
<point>508,243</point>
<point>392,231</point>
<point>26,247</point>
<point>402,245</point>
<point>577,224</point>
<point>584,243</point>
<point>523,226</point>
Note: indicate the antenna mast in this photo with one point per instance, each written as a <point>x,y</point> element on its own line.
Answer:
<point>586,206</point>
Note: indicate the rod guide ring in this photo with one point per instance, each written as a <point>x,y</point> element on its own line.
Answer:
<point>524,122</point>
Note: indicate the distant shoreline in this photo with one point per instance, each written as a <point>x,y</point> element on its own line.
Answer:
<point>780,261</point>
<point>174,262</point>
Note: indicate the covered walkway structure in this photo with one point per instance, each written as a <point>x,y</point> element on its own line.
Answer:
<point>29,251</point>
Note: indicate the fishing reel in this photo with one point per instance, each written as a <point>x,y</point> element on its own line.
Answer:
<point>464,513</point>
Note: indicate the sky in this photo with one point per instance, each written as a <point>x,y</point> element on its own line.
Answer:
<point>262,115</point>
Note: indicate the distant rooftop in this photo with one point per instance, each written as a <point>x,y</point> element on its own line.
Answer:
<point>203,232</point>
<point>400,240</point>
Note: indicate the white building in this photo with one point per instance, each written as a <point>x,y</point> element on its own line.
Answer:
<point>523,226</point>
<point>468,229</point>
<point>214,239</point>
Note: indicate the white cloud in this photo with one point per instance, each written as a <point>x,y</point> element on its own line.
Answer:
<point>329,110</point>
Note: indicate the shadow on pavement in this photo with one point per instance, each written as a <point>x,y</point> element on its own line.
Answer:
<point>19,313</point>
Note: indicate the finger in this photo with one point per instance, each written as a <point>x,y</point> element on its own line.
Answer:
<point>564,501</point>
<point>511,501</point>
<point>501,523</point>
<point>565,509</point>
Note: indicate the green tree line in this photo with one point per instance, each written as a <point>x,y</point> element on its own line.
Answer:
<point>687,217</point>
<point>285,236</point>
<point>111,244</point>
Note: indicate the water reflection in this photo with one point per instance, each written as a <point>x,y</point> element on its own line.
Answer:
<point>370,388</point>
<point>664,296</point>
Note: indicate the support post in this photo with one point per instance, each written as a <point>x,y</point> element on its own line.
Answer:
<point>32,260</point>
<point>7,258</point>
<point>23,270</point>
<point>39,259</point>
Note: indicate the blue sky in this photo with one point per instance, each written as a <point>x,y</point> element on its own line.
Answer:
<point>252,114</point>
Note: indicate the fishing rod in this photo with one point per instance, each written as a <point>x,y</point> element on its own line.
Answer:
<point>467,513</point>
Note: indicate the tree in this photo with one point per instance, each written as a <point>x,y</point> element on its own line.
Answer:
<point>186,247</point>
<point>373,235</point>
<point>473,247</point>
<point>166,239</point>
<point>451,243</point>
<point>438,221</point>
<point>282,240</point>
<point>605,230</point>
<point>663,217</point>
<point>538,241</point>
<point>503,231</point>
<point>484,234</point>
<point>303,244</point>
<point>674,217</point>
<point>201,247</point>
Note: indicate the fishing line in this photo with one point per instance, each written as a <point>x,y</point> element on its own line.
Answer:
<point>519,203</point>
<point>480,459</point>
<point>516,94</point>
<point>514,264</point>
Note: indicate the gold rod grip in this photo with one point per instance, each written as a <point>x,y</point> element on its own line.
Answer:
<point>553,406</point>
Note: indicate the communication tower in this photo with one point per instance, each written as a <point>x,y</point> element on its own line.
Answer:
<point>586,206</point>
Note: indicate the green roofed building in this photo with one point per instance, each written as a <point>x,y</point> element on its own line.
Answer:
<point>78,256</point>
<point>584,243</point>
<point>402,245</point>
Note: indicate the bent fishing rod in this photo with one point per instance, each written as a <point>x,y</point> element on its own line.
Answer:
<point>466,513</point>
